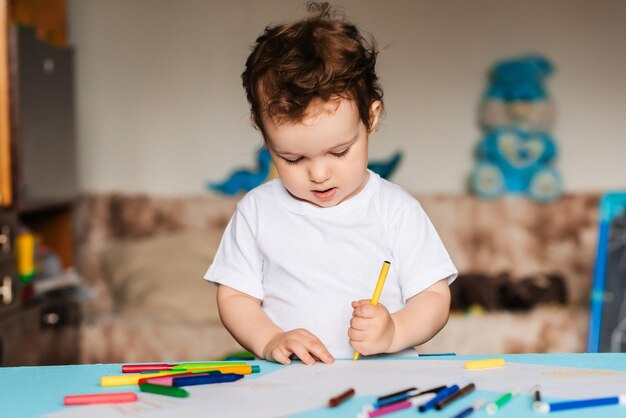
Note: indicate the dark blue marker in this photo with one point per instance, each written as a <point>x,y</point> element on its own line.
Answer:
<point>205,380</point>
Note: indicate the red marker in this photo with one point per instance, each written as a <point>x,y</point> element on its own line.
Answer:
<point>93,398</point>
<point>138,368</point>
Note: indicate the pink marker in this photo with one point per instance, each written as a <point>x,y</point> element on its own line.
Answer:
<point>164,380</point>
<point>397,406</point>
<point>93,398</point>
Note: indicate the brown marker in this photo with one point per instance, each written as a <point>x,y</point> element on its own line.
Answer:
<point>456,395</point>
<point>338,400</point>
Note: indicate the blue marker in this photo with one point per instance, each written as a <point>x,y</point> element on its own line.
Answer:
<point>583,403</point>
<point>469,411</point>
<point>436,354</point>
<point>440,395</point>
<point>205,380</point>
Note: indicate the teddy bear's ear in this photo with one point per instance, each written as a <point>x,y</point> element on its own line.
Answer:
<point>542,67</point>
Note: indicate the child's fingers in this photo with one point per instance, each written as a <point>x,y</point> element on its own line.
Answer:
<point>356,335</point>
<point>319,351</point>
<point>300,350</point>
<point>360,347</point>
<point>279,356</point>
<point>358,323</point>
<point>361,302</point>
<point>365,310</point>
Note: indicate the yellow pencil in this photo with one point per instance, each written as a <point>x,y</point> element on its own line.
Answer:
<point>378,290</point>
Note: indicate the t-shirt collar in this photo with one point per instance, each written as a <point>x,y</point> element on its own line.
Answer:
<point>308,209</point>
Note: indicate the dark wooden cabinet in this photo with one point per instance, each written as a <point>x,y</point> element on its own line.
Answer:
<point>42,332</point>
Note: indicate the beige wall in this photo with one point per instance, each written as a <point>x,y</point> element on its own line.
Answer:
<point>161,108</point>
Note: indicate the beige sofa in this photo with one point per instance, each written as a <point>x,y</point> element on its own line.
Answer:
<point>143,259</point>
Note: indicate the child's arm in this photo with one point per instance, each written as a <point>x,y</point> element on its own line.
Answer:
<point>244,318</point>
<point>373,330</point>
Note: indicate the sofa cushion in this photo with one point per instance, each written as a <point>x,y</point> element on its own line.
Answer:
<point>162,276</point>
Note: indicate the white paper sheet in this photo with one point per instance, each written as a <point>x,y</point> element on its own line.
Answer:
<point>299,388</point>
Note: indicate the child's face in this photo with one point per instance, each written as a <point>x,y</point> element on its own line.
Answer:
<point>323,158</point>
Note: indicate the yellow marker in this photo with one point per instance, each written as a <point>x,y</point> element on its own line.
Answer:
<point>25,249</point>
<point>378,290</point>
<point>484,364</point>
<point>133,379</point>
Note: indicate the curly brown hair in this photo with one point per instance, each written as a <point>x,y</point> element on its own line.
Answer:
<point>321,56</point>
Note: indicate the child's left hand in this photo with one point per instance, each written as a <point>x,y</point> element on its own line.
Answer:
<point>371,328</point>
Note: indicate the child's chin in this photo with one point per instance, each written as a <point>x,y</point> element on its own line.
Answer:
<point>326,203</point>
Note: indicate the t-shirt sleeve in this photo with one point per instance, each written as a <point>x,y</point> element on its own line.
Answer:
<point>238,263</point>
<point>419,253</point>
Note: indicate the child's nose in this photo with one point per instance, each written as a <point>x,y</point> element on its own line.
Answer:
<point>319,172</point>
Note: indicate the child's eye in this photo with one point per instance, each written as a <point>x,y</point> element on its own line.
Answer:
<point>296,161</point>
<point>342,153</point>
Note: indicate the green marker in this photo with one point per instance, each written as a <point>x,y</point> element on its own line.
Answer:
<point>164,390</point>
<point>208,365</point>
<point>494,407</point>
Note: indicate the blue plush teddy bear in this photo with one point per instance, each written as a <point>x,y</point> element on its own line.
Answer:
<point>244,180</point>
<point>516,152</point>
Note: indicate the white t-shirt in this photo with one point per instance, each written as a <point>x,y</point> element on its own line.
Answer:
<point>307,264</point>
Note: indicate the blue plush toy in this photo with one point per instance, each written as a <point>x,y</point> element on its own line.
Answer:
<point>244,180</point>
<point>516,161</point>
<point>516,152</point>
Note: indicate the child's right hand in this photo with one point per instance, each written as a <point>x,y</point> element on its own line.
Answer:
<point>306,346</point>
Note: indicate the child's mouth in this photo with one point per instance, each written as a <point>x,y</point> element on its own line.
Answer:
<point>325,194</point>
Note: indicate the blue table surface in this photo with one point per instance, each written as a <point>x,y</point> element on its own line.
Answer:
<point>35,391</point>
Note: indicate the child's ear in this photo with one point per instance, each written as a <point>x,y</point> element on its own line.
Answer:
<point>375,110</point>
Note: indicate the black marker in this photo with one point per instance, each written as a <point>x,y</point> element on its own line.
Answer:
<point>537,400</point>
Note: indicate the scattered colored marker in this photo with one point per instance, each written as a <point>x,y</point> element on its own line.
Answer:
<point>484,364</point>
<point>400,392</point>
<point>466,390</point>
<point>207,365</point>
<point>164,390</point>
<point>537,399</point>
<point>205,379</point>
<point>404,396</point>
<point>583,403</point>
<point>499,403</point>
<point>155,367</point>
<point>167,380</point>
<point>133,379</point>
<point>94,398</point>
<point>341,398</point>
<point>440,395</point>
<point>399,406</point>
<point>436,354</point>
<point>469,411</point>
